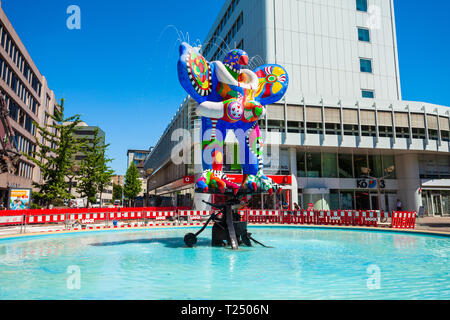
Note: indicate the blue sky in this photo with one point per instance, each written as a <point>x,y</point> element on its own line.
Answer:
<point>119,70</point>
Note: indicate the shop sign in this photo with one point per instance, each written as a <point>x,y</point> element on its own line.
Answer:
<point>369,184</point>
<point>188,179</point>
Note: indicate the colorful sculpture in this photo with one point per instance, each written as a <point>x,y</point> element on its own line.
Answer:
<point>231,98</point>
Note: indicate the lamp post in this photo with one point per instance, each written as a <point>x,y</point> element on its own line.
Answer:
<point>366,173</point>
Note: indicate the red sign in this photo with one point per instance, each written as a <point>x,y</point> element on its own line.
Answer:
<point>237,178</point>
<point>188,179</point>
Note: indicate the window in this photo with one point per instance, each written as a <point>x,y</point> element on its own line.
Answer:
<point>313,165</point>
<point>363,34</point>
<point>359,162</point>
<point>345,165</point>
<point>275,125</point>
<point>365,65</point>
<point>389,162</point>
<point>445,136</point>
<point>369,94</point>
<point>329,165</point>
<point>375,165</point>
<point>332,128</point>
<point>314,127</point>
<point>419,133</point>
<point>351,130</point>
<point>402,132</point>
<point>295,127</point>
<point>301,164</point>
<point>368,131</point>
<point>361,5</point>
<point>433,134</point>
<point>384,131</point>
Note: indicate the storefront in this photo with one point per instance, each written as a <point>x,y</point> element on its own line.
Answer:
<point>436,202</point>
<point>355,199</point>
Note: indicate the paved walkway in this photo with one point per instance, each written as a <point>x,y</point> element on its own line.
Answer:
<point>440,224</point>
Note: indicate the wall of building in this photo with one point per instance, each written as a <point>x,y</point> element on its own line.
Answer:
<point>28,98</point>
<point>317,42</point>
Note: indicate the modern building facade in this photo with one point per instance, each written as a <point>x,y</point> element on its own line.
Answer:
<point>28,99</point>
<point>342,122</point>
<point>138,157</point>
<point>85,131</point>
<point>118,180</point>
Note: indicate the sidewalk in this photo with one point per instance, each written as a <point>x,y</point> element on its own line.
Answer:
<point>439,224</point>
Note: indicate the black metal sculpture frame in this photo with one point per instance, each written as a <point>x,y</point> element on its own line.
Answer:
<point>227,228</point>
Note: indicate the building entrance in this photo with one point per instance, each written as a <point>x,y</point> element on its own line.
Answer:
<point>362,200</point>
<point>437,204</point>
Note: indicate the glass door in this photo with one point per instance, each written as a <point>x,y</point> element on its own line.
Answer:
<point>374,201</point>
<point>437,204</point>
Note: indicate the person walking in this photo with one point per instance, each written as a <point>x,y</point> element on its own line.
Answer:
<point>399,205</point>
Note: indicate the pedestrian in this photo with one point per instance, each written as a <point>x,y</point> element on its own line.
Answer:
<point>399,205</point>
<point>296,206</point>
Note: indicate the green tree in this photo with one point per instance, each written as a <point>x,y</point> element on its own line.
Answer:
<point>117,192</point>
<point>94,173</point>
<point>105,174</point>
<point>133,185</point>
<point>54,155</point>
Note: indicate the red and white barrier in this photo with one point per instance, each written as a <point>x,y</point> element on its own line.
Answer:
<point>194,214</point>
<point>403,220</point>
<point>11,220</point>
<point>263,216</point>
<point>159,215</point>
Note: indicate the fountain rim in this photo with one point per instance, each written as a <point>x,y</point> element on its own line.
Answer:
<point>437,234</point>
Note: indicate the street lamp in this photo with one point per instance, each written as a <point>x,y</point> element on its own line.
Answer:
<point>366,173</point>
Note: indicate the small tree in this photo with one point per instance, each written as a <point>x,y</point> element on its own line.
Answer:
<point>117,192</point>
<point>54,155</point>
<point>133,185</point>
<point>105,174</point>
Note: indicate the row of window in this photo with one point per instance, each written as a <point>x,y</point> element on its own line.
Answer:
<point>24,145</point>
<point>19,115</point>
<point>25,170</point>
<point>140,155</point>
<point>364,36</point>
<point>10,47</point>
<point>221,26</point>
<point>343,165</point>
<point>230,35</point>
<point>17,86</point>
<point>353,130</point>
<point>434,167</point>
<point>352,200</point>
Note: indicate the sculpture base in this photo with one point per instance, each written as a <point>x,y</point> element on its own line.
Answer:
<point>221,234</point>
<point>228,230</point>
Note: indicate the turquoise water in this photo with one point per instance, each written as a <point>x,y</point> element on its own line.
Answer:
<point>154,264</point>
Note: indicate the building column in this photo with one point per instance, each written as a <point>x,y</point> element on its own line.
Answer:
<point>407,171</point>
<point>293,168</point>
